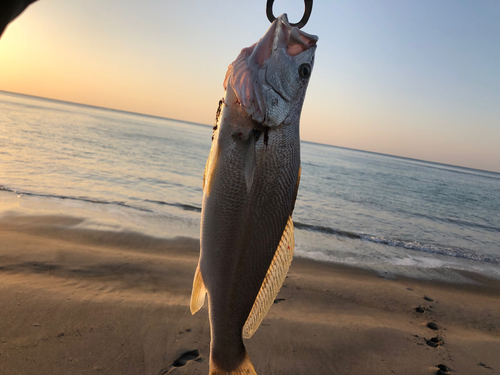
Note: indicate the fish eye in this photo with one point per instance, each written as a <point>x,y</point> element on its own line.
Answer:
<point>305,70</point>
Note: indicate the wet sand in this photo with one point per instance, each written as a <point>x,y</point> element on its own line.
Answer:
<point>79,301</point>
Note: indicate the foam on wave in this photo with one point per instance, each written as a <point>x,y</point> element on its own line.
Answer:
<point>407,244</point>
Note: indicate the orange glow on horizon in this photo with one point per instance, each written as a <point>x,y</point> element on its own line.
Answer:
<point>396,100</point>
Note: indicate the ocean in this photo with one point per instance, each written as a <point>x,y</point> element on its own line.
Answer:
<point>124,171</point>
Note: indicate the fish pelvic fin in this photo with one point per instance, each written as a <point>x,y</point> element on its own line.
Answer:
<point>245,368</point>
<point>250,161</point>
<point>198,293</point>
<point>272,282</point>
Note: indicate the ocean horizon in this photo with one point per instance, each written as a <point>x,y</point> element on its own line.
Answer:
<point>208,125</point>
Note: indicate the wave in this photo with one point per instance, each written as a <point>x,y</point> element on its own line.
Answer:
<point>327,230</point>
<point>449,220</point>
<point>472,225</point>
<point>435,249</point>
<point>186,207</point>
<point>82,199</point>
<point>407,244</point>
<point>182,206</point>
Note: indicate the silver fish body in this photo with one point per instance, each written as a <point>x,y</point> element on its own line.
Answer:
<point>250,185</point>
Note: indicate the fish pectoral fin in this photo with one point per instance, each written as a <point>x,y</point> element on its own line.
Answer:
<point>250,162</point>
<point>272,282</point>
<point>198,293</point>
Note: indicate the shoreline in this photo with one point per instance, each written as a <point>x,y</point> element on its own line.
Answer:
<point>101,223</point>
<point>389,261</point>
<point>81,301</point>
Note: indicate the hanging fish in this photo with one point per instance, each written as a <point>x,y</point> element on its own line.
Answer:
<point>249,190</point>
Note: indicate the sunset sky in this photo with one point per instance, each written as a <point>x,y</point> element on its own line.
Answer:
<point>413,78</point>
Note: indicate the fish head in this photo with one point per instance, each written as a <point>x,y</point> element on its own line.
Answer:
<point>270,78</point>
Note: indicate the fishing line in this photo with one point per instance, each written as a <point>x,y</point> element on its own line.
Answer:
<point>308,5</point>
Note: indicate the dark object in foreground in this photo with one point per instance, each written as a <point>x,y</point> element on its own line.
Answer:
<point>10,9</point>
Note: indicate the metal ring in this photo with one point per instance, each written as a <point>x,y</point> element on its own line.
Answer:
<point>308,5</point>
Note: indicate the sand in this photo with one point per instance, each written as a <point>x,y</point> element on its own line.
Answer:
<point>79,301</point>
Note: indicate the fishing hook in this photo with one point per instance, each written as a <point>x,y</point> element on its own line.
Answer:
<point>308,6</point>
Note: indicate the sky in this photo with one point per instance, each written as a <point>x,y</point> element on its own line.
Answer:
<point>412,78</point>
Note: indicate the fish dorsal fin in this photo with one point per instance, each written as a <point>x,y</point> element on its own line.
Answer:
<point>250,162</point>
<point>214,150</point>
<point>272,282</point>
<point>213,159</point>
<point>198,293</point>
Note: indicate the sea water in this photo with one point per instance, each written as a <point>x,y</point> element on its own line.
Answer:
<point>126,171</point>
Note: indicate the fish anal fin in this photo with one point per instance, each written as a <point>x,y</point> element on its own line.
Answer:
<point>198,293</point>
<point>245,368</point>
<point>272,282</point>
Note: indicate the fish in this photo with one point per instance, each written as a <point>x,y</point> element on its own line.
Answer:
<point>249,190</point>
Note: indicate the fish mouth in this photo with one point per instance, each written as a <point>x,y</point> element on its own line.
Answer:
<point>282,35</point>
<point>297,41</point>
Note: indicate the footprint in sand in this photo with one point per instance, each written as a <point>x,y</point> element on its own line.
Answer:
<point>432,326</point>
<point>435,341</point>
<point>186,357</point>
<point>182,360</point>
<point>420,309</point>
<point>485,366</point>
<point>442,370</point>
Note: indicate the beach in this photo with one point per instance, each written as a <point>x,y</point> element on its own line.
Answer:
<point>387,192</point>
<point>82,301</point>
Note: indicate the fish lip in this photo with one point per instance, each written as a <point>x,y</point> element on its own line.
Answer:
<point>284,19</point>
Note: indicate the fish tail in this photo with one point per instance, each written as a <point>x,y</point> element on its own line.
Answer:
<point>244,368</point>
